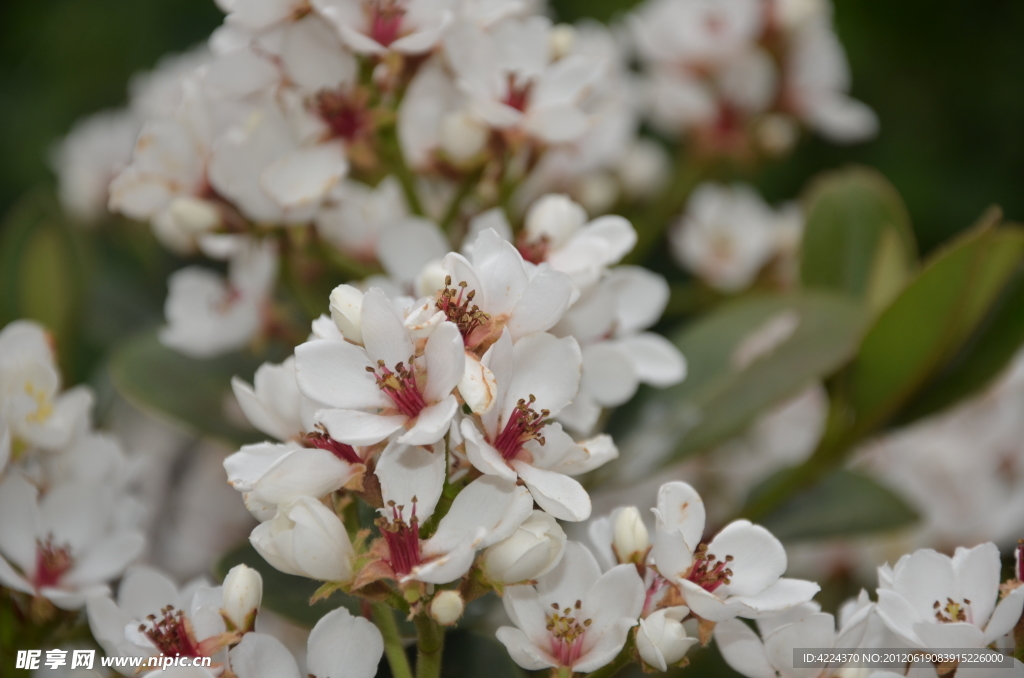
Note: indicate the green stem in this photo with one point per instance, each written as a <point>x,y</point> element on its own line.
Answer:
<point>430,647</point>
<point>624,659</point>
<point>393,650</point>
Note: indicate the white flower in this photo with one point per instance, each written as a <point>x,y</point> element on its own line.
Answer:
<point>574,617</point>
<point>662,640</point>
<point>936,601</point>
<point>375,27</point>
<point>152,617</point>
<point>531,552</point>
<point>771,654</point>
<point>696,32</point>
<point>208,315</point>
<point>487,511</point>
<point>307,539</point>
<point>726,235</point>
<point>95,150</point>
<point>66,545</point>
<point>5,446</point>
<point>818,79</point>
<point>739,573</point>
<point>390,384</point>
<point>618,355</point>
<point>260,15</point>
<point>535,379</point>
<point>31,401</point>
<point>359,214</point>
<point>339,646</point>
<point>243,592</point>
<point>273,403</point>
<point>269,474</point>
<point>512,82</point>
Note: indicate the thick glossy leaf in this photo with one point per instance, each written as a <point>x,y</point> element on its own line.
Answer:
<point>286,594</point>
<point>843,504</point>
<point>857,239</point>
<point>195,394</point>
<point>468,654</point>
<point>743,358</point>
<point>934,320</point>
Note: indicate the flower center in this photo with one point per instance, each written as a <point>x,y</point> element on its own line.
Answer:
<point>518,96</point>
<point>44,408</point>
<point>321,440</point>
<point>51,563</point>
<point>346,113</point>
<point>567,633</point>
<point>403,539</point>
<point>536,251</point>
<point>522,426</point>
<point>458,307</point>
<point>386,20</point>
<point>171,633</point>
<point>951,612</point>
<point>400,386</point>
<point>707,571</point>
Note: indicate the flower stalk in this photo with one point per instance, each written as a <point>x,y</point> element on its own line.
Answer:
<point>430,647</point>
<point>393,650</point>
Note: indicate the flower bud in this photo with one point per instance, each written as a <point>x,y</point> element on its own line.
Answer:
<point>662,640</point>
<point>347,312</point>
<point>555,217</point>
<point>431,278</point>
<point>446,608</point>
<point>532,551</point>
<point>307,539</point>
<point>243,591</point>
<point>645,168</point>
<point>562,39</point>
<point>194,215</point>
<point>630,539</point>
<point>462,137</point>
<point>597,192</point>
<point>777,134</point>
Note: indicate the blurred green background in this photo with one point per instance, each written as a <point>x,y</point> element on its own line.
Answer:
<point>946,78</point>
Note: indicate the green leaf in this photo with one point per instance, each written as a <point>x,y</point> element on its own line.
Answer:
<point>286,594</point>
<point>468,654</point>
<point>192,393</point>
<point>843,504</point>
<point>745,357</point>
<point>933,320</point>
<point>858,239</point>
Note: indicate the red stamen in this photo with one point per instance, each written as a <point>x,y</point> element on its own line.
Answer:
<point>346,113</point>
<point>51,563</point>
<point>401,387</point>
<point>171,634</point>
<point>518,96</point>
<point>457,305</point>
<point>386,21</point>
<point>567,633</point>
<point>534,252</point>
<point>707,572</point>
<point>523,425</point>
<point>340,450</point>
<point>403,539</point>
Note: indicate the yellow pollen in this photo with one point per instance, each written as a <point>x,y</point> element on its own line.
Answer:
<point>44,408</point>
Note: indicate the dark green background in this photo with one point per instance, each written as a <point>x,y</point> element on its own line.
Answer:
<point>946,78</point>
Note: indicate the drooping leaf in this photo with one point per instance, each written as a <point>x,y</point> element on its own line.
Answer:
<point>857,238</point>
<point>285,594</point>
<point>922,333</point>
<point>189,392</point>
<point>844,503</point>
<point>745,357</point>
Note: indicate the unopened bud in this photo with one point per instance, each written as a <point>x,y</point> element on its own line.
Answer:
<point>243,591</point>
<point>662,640</point>
<point>531,552</point>
<point>431,278</point>
<point>555,217</point>
<point>597,191</point>
<point>347,312</point>
<point>777,134</point>
<point>630,539</point>
<point>446,608</point>
<point>194,215</point>
<point>562,39</point>
<point>462,137</point>
<point>645,168</point>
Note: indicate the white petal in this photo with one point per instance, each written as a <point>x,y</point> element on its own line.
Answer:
<point>977,570</point>
<point>949,635</point>
<point>334,373</point>
<point>496,504</point>
<point>557,124</point>
<point>561,496</point>
<point>656,360</point>
<point>262,656</point>
<point>923,578</point>
<point>19,521</point>
<point>571,579</point>
<point>782,595</point>
<point>1005,617</point>
<point>304,177</point>
<point>11,579</point>
<point>384,333</point>
<point>106,559</point>
<point>547,368</point>
<point>707,605</point>
<point>408,472</point>
<point>759,558</point>
<point>681,515</point>
<point>343,646</point>
<point>303,473</point>
<point>742,649</point>
<point>542,303</point>
<point>445,358</point>
<point>482,454</point>
<point>609,375</point>
<point>405,247</point>
<point>477,386</point>
<point>522,651</point>
<point>816,630</point>
<point>431,423</point>
<point>359,428</point>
